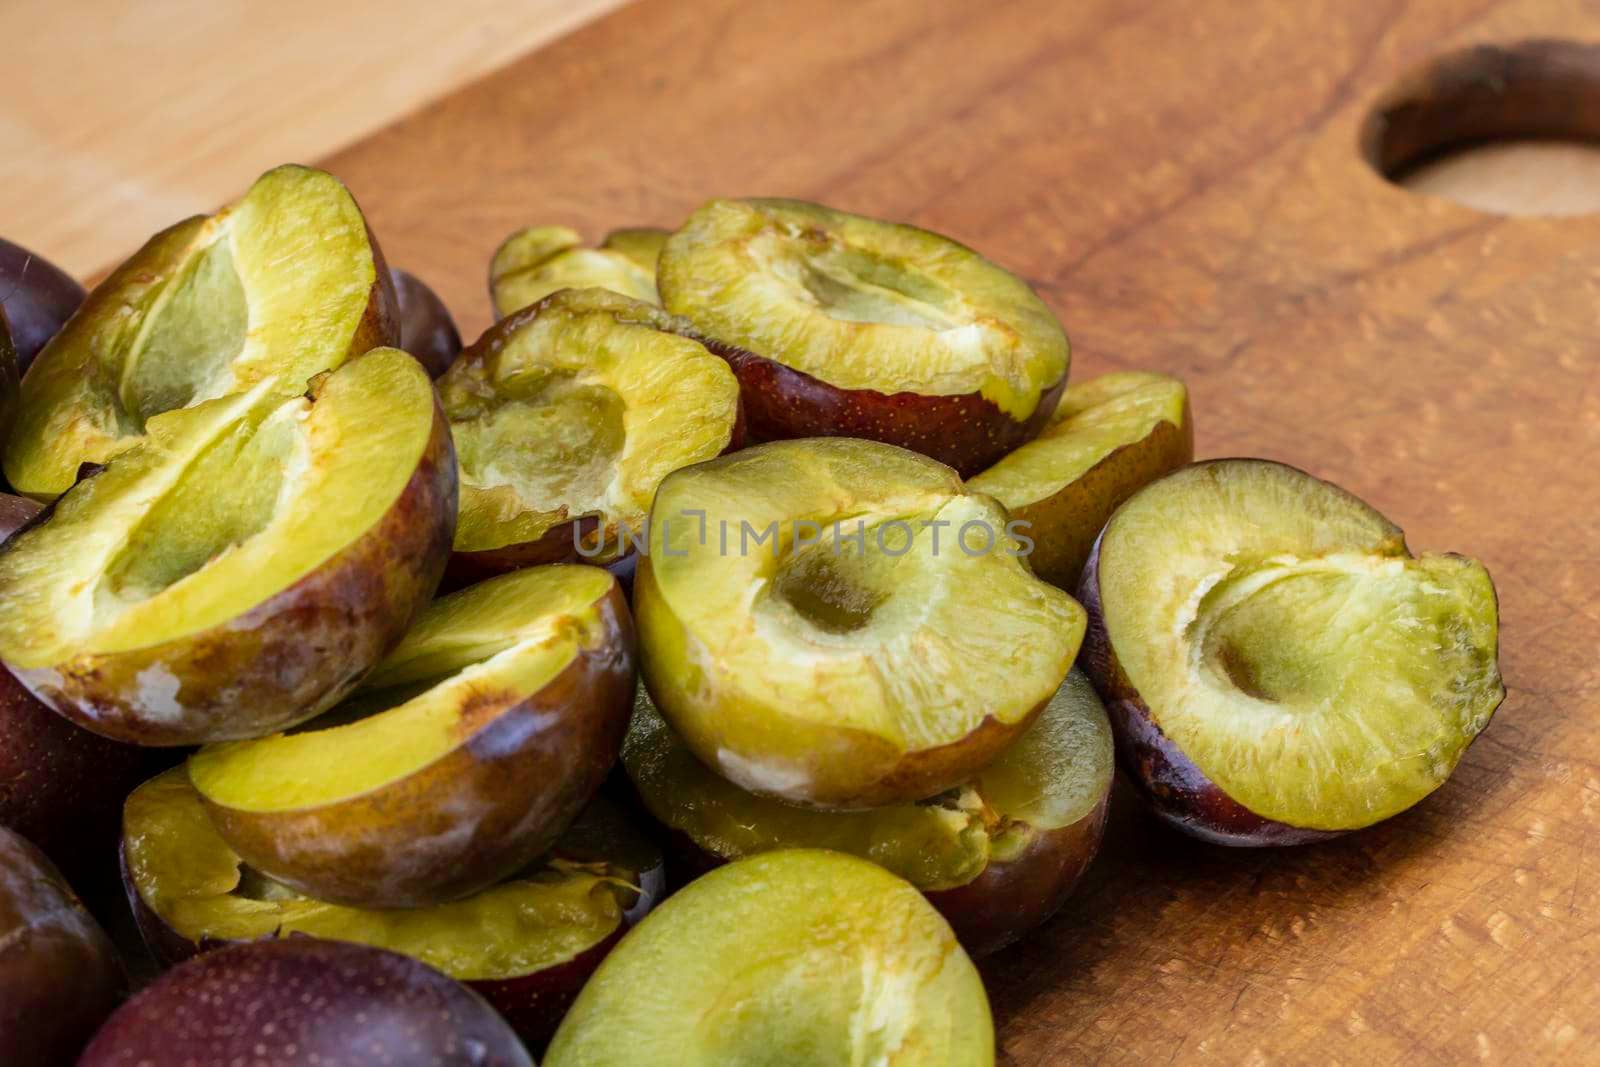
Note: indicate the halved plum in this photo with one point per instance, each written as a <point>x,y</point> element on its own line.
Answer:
<point>1277,665</point>
<point>997,855</point>
<point>527,944</point>
<point>464,755</point>
<point>59,974</point>
<point>277,288</point>
<point>37,296</point>
<point>426,329</point>
<point>1108,437</point>
<point>244,566</point>
<point>843,624</point>
<point>566,417</point>
<point>799,956</point>
<point>535,262</point>
<point>305,1002</point>
<point>845,326</point>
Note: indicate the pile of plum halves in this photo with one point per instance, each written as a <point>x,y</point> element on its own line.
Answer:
<point>770,563</point>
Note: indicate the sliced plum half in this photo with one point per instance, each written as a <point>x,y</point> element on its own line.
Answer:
<point>996,855</point>
<point>844,326</point>
<point>566,417</point>
<point>1277,664</point>
<point>799,956</point>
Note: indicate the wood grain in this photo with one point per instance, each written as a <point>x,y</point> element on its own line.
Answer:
<point>118,119</point>
<point>1182,182</point>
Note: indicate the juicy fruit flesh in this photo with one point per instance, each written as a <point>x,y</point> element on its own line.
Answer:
<point>862,304</point>
<point>533,263</point>
<point>578,408</point>
<point>185,872</point>
<point>896,638</point>
<point>270,289</point>
<point>191,337</point>
<point>1093,419</point>
<point>470,656</point>
<point>1054,775</point>
<point>795,956</point>
<point>1292,648</point>
<point>220,507</point>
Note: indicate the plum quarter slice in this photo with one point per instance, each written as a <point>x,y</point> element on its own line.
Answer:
<point>527,943</point>
<point>799,956</point>
<point>464,755</point>
<point>566,417</point>
<point>846,326</point>
<point>997,855</point>
<point>1108,437</point>
<point>243,566</point>
<point>1277,665</point>
<point>282,285</point>
<point>842,623</point>
<point>59,975</point>
<point>37,296</point>
<point>305,1002</point>
<point>535,262</point>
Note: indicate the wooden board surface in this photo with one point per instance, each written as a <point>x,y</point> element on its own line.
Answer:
<point>1182,182</point>
<point>118,119</point>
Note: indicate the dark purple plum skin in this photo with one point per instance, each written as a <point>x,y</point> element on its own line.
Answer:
<point>427,330</point>
<point>302,1001</point>
<point>1012,897</point>
<point>15,513</point>
<point>1170,784</point>
<point>61,785</point>
<point>59,975</point>
<point>38,297</point>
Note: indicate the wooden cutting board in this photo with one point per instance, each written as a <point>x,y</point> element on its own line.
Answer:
<point>1184,182</point>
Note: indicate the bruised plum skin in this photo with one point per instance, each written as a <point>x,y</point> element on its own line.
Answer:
<point>59,974</point>
<point>997,856</point>
<point>37,297</point>
<point>1278,667</point>
<point>798,956</point>
<point>301,1002</point>
<point>464,755</point>
<point>840,325</point>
